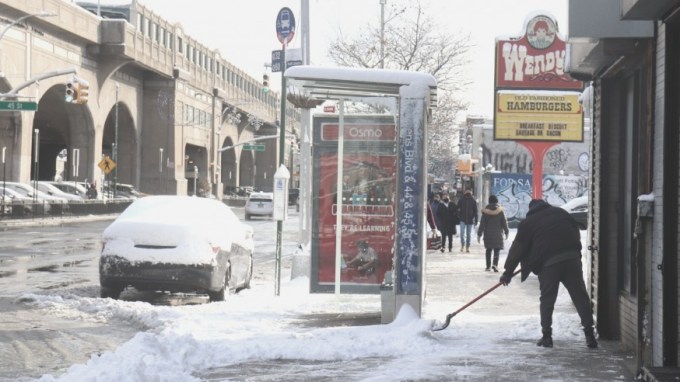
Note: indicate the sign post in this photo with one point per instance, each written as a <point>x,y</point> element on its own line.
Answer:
<point>285,31</point>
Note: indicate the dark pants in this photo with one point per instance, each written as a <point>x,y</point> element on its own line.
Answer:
<point>570,274</point>
<point>445,237</point>
<point>496,253</point>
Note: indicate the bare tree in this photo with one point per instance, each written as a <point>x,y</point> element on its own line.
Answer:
<point>412,41</point>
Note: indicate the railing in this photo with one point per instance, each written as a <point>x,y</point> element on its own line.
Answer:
<point>19,209</point>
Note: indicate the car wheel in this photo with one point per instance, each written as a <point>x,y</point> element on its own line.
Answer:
<point>108,292</point>
<point>220,294</point>
<point>247,217</point>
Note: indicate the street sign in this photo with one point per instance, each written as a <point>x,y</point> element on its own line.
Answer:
<point>18,105</point>
<point>276,60</point>
<point>285,25</point>
<point>107,165</point>
<point>293,58</point>
<point>252,147</point>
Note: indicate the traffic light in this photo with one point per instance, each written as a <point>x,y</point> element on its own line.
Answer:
<point>265,83</point>
<point>71,92</point>
<point>83,91</point>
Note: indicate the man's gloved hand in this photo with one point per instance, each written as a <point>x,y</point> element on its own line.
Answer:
<point>505,278</point>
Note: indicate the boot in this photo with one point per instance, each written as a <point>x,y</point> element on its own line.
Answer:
<point>462,248</point>
<point>467,249</point>
<point>546,341</point>
<point>590,337</point>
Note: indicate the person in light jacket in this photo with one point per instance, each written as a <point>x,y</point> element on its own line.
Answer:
<point>493,225</point>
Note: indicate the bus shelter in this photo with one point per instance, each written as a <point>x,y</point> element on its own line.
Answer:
<point>388,187</point>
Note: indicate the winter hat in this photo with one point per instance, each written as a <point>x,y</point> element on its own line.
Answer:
<point>493,199</point>
<point>534,202</point>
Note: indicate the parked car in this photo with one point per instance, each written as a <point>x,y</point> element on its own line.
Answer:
<point>578,209</point>
<point>124,191</point>
<point>260,204</point>
<point>74,188</point>
<point>53,190</point>
<point>20,204</point>
<point>176,244</point>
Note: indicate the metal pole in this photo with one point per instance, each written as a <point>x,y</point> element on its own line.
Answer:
<point>340,191</point>
<point>115,149</point>
<point>160,169</point>
<point>195,178</point>
<point>36,146</point>
<point>282,148</point>
<point>304,201</point>
<point>4,172</point>
<point>213,152</point>
<point>382,33</point>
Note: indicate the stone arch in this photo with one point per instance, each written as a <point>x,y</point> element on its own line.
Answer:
<point>63,127</point>
<point>228,166</point>
<point>126,158</point>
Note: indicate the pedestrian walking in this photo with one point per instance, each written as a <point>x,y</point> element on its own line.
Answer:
<point>448,219</point>
<point>493,226</point>
<point>467,213</point>
<point>548,243</point>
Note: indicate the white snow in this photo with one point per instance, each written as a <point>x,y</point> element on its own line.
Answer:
<point>257,326</point>
<point>189,224</point>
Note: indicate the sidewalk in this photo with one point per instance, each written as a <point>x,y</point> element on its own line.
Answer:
<point>453,279</point>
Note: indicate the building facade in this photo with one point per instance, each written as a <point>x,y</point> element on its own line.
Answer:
<point>629,51</point>
<point>168,111</point>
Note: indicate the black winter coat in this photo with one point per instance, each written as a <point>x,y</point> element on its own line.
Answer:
<point>467,209</point>
<point>492,226</point>
<point>547,231</point>
<point>448,218</point>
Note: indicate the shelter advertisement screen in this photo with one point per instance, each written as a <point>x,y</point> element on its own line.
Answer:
<point>367,203</point>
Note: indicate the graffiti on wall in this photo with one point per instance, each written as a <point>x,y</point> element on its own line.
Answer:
<point>514,192</point>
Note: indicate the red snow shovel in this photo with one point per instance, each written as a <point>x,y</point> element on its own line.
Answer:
<point>451,315</point>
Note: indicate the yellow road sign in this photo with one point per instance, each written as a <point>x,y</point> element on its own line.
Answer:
<point>107,165</point>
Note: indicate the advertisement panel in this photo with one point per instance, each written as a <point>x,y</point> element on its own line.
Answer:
<point>368,202</point>
<point>538,116</point>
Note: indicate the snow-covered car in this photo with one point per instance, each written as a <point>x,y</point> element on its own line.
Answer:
<point>260,204</point>
<point>578,209</point>
<point>176,244</point>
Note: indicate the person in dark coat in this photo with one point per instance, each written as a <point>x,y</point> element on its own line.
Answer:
<point>448,219</point>
<point>467,213</point>
<point>548,243</point>
<point>492,226</point>
<point>436,202</point>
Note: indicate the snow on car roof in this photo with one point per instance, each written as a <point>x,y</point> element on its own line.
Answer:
<point>160,219</point>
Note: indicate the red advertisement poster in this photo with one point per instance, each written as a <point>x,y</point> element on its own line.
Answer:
<point>368,206</point>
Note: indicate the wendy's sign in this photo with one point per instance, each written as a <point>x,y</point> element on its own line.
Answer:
<point>535,60</point>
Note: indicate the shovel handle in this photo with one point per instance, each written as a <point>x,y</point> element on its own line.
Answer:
<point>451,315</point>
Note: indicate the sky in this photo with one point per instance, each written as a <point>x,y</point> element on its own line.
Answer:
<point>270,333</point>
<point>245,32</point>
